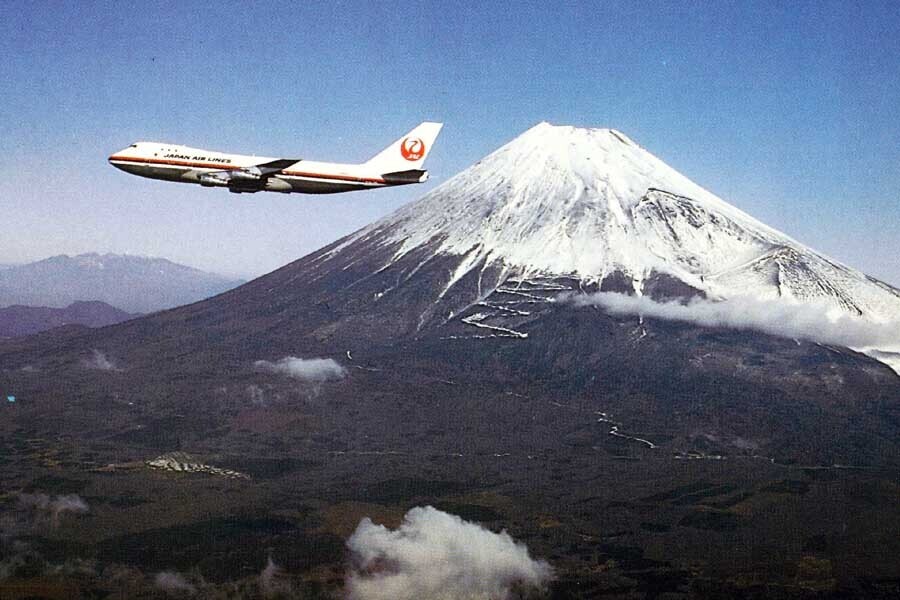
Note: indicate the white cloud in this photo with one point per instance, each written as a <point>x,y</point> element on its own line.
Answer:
<point>257,395</point>
<point>173,582</point>
<point>315,370</point>
<point>438,556</point>
<point>273,583</point>
<point>98,360</point>
<point>53,506</point>
<point>813,321</point>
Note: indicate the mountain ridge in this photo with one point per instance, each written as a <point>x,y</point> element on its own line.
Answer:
<point>132,283</point>
<point>18,320</point>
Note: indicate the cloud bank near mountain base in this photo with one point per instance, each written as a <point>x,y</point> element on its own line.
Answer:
<point>811,321</point>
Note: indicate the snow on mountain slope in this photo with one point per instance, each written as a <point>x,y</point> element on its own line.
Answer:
<point>588,203</point>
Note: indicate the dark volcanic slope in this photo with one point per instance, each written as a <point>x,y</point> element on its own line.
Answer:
<point>683,381</point>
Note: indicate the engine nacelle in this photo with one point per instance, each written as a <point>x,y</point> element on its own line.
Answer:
<point>213,180</point>
<point>247,180</point>
<point>248,174</point>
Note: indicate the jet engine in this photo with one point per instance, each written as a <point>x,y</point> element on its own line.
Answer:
<point>247,174</point>
<point>214,179</point>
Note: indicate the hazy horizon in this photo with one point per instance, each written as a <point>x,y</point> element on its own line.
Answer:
<point>786,112</point>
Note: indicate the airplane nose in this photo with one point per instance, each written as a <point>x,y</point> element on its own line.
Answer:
<point>122,154</point>
<point>115,159</point>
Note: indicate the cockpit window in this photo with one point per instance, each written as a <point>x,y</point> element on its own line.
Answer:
<point>133,146</point>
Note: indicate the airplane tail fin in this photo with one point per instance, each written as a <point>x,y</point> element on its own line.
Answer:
<point>407,153</point>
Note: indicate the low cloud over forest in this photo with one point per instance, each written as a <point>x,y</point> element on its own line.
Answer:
<point>439,556</point>
<point>315,370</point>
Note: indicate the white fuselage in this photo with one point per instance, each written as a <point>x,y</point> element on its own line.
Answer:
<point>172,162</point>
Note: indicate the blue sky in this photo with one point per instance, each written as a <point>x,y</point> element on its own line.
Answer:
<point>788,110</point>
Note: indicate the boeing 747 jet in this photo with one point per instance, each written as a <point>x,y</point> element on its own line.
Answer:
<point>398,164</point>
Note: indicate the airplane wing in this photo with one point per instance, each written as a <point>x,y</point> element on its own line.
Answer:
<point>246,177</point>
<point>275,166</point>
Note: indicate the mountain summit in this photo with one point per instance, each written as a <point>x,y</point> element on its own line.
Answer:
<point>593,205</point>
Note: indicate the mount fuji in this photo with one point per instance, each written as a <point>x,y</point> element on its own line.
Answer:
<point>567,211</point>
<point>591,205</point>
<point>514,249</point>
<point>466,352</point>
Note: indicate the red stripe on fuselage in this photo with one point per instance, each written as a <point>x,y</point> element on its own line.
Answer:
<point>224,167</point>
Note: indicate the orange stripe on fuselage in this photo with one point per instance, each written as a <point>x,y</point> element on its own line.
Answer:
<point>223,167</point>
<point>335,177</point>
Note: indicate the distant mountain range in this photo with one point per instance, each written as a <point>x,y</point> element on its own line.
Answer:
<point>18,320</point>
<point>130,283</point>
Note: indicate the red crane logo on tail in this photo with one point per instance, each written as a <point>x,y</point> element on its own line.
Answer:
<point>412,149</point>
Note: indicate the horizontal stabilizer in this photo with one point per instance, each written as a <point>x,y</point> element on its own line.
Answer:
<point>410,176</point>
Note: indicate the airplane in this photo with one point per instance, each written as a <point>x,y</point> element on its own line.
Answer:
<point>398,164</point>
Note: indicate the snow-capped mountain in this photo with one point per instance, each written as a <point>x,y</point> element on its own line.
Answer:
<point>467,380</point>
<point>490,254</point>
<point>590,204</point>
<point>448,314</point>
<point>132,283</point>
